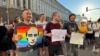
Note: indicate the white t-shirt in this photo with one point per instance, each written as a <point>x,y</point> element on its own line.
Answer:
<point>96,26</point>
<point>41,23</point>
<point>90,27</point>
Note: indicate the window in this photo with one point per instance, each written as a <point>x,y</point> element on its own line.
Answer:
<point>3,2</point>
<point>18,3</point>
<point>24,4</point>
<point>14,2</point>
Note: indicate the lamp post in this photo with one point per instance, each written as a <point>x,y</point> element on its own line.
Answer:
<point>7,2</point>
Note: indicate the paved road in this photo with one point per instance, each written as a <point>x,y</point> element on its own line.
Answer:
<point>84,52</point>
<point>87,53</point>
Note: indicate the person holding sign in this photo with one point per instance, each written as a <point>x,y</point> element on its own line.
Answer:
<point>71,26</point>
<point>54,47</point>
<point>24,47</point>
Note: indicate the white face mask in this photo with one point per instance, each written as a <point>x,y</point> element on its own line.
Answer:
<point>32,35</point>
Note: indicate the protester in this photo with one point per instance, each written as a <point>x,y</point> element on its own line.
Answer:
<point>3,43</point>
<point>71,26</point>
<point>1,21</point>
<point>41,20</point>
<point>54,47</point>
<point>96,28</point>
<point>90,34</point>
<point>83,30</point>
<point>29,50</point>
<point>12,46</point>
<point>42,47</point>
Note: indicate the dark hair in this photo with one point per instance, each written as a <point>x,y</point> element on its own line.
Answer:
<point>72,15</point>
<point>89,21</point>
<point>99,20</point>
<point>16,20</point>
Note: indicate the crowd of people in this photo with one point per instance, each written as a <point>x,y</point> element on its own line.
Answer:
<point>9,36</point>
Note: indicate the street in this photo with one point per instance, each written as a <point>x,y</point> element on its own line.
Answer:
<point>83,52</point>
<point>87,53</point>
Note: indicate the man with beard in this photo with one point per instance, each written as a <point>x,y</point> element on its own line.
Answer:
<point>26,51</point>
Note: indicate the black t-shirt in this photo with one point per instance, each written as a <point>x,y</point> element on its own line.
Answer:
<point>70,27</point>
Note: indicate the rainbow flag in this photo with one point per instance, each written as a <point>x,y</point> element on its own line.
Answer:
<point>22,30</point>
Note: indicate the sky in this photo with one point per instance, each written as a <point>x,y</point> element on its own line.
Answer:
<point>79,7</point>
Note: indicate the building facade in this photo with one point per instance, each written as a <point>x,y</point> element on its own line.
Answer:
<point>78,18</point>
<point>37,6</point>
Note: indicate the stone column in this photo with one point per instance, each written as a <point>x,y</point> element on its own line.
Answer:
<point>11,3</point>
<point>15,1</point>
<point>21,4</point>
<point>31,4</point>
<point>26,3</point>
<point>0,2</point>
